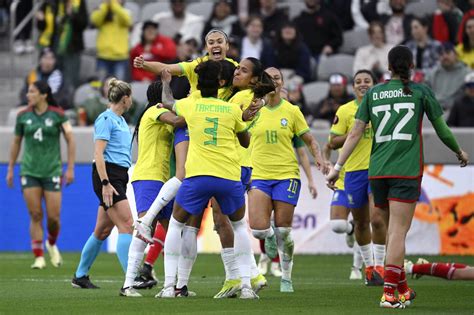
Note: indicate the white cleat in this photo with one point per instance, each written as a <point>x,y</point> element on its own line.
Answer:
<point>248,294</point>
<point>275,269</point>
<point>39,263</point>
<point>166,293</point>
<point>129,292</point>
<point>263,264</point>
<point>356,274</point>
<point>55,256</point>
<point>144,231</point>
<point>408,266</point>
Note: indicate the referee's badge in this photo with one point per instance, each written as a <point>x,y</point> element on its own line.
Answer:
<point>284,122</point>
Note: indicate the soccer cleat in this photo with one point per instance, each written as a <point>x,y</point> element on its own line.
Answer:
<point>271,248</point>
<point>166,293</point>
<point>350,237</point>
<point>145,278</point>
<point>144,232</point>
<point>275,269</point>
<point>407,297</point>
<point>356,274</point>
<point>258,283</point>
<point>129,292</point>
<point>380,270</point>
<point>286,286</point>
<point>184,292</point>
<point>390,301</point>
<point>229,289</point>
<point>263,264</point>
<point>247,293</point>
<point>56,259</point>
<point>83,283</point>
<point>408,266</point>
<point>372,277</point>
<point>39,263</point>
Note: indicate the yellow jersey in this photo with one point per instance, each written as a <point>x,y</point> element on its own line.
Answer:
<point>465,56</point>
<point>340,182</point>
<point>212,125</point>
<point>243,98</point>
<point>272,153</point>
<point>155,147</point>
<point>343,123</point>
<point>187,68</point>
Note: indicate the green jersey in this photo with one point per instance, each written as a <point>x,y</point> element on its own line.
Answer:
<point>41,155</point>
<point>397,148</point>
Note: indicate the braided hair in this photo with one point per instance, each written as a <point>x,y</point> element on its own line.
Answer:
<point>209,74</point>
<point>400,60</point>
<point>153,95</point>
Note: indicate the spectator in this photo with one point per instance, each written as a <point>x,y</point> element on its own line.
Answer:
<point>273,17</point>
<point>468,9</point>
<point>374,55</point>
<point>154,47</point>
<point>254,43</point>
<point>446,20</point>
<point>289,52</point>
<point>424,49</point>
<point>342,9</point>
<point>462,113</point>
<point>62,24</point>
<point>48,72</point>
<point>320,29</point>
<point>398,24</point>
<point>337,96</point>
<point>294,94</point>
<point>23,43</point>
<point>223,19</point>
<point>113,22</point>
<point>360,18</point>
<point>446,79</point>
<point>179,23</point>
<point>465,49</point>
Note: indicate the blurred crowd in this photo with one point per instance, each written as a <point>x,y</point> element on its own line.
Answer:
<point>442,43</point>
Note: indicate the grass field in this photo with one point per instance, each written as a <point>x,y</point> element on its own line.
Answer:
<point>321,287</point>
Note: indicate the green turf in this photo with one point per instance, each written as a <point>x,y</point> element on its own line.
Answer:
<point>321,287</point>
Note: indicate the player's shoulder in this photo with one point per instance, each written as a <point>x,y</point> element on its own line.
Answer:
<point>232,61</point>
<point>25,111</point>
<point>57,110</point>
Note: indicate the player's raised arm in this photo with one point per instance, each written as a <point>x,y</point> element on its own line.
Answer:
<point>155,66</point>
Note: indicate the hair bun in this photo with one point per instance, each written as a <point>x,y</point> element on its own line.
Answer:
<point>113,82</point>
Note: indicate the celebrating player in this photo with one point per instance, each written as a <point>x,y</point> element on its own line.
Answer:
<point>41,124</point>
<point>395,110</point>
<point>112,158</point>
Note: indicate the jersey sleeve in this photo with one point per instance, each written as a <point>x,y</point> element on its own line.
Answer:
<point>339,125</point>
<point>187,67</point>
<point>103,128</point>
<point>240,125</point>
<point>363,110</point>
<point>181,107</point>
<point>431,105</point>
<point>301,126</point>
<point>297,142</point>
<point>157,112</point>
<point>19,131</point>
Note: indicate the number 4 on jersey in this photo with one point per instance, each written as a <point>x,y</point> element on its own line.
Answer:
<point>386,110</point>
<point>38,135</point>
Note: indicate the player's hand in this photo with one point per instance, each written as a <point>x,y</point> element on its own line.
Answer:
<point>463,158</point>
<point>252,110</point>
<point>139,62</point>
<point>9,178</point>
<point>69,176</point>
<point>108,193</point>
<point>331,178</point>
<point>312,190</point>
<point>166,76</point>
<point>322,165</point>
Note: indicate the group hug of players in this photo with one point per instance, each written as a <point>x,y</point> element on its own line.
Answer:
<point>234,134</point>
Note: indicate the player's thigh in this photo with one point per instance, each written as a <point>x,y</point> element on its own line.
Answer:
<point>195,220</point>
<point>220,220</point>
<point>401,216</point>
<point>53,203</point>
<point>339,206</point>
<point>33,196</point>
<point>283,213</point>
<point>181,152</point>
<point>260,209</point>
<point>121,215</point>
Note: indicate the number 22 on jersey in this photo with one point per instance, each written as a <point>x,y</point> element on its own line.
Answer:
<point>387,113</point>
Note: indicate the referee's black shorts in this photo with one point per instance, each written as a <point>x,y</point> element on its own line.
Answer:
<point>118,178</point>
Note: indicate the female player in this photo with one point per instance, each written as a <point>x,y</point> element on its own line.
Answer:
<point>41,124</point>
<point>112,158</point>
<point>275,177</point>
<point>212,170</point>
<point>356,185</point>
<point>395,110</point>
<point>449,271</point>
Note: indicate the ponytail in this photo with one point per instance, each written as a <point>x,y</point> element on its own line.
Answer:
<point>400,60</point>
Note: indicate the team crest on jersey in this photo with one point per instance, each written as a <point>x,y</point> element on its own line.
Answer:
<point>28,122</point>
<point>48,122</point>
<point>284,122</point>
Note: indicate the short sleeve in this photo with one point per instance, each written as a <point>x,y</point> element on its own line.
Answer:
<point>187,67</point>
<point>182,106</point>
<point>297,142</point>
<point>240,125</point>
<point>431,105</point>
<point>339,125</point>
<point>363,110</point>
<point>19,131</point>
<point>62,119</point>
<point>300,124</point>
<point>103,128</point>
<point>156,112</point>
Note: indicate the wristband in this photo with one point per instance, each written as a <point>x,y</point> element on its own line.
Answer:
<point>338,167</point>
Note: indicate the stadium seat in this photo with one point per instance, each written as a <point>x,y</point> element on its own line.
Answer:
<point>421,8</point>
<point>82,93</point>
<point>139,91</point>
<point>92,5</point>
<point>294,8</point>
<point>11,119</point>
<point>90,41</point>
<point>203,9</point>
<point>150,9</point>
<point>314,92</point>
<point>340,63</point>
<point>320,124</point>
<point>134,9</point>
<point>88,68</point>
<point>352,40</point>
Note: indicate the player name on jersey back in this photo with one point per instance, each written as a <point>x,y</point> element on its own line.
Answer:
<point>389,94</point>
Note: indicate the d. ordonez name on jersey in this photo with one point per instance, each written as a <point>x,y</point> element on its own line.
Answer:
<point>389,94</point>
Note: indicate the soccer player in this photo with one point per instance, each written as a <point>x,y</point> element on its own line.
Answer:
<point>395,110</point>
<point>275,177</point>
<point>449,271</point>
<point>41,124</point>
<point>212,170</point>
<point>112,158</point>
<point>356,185</point>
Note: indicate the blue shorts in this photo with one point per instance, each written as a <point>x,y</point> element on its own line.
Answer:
<point>339,198</point>
<point>356,185</point>
<point>246,177</point>
<point>146,192</point>
<point>180,135</point>
<point>195,192</point>
<point>286,190</point>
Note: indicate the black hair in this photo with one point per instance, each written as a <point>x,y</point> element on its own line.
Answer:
<point>264,84</point>
<point>153,95</point>
<point>252,18</point>
<point>466,44</point>
<point>372,75</point>
<point>227,72</point>
<point>44,88</point>
<point>422,20</point>
<point>209,74</point>
<point>400,60</point>
<point>147,24</point>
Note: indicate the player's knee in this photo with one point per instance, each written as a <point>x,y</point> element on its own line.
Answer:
<point>377,223</point>
<point>361,225</point>
<point>261,234</point>
<point>338,226</point>
<point>36,216</point>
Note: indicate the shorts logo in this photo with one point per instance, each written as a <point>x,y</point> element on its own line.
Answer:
<point>23,180</point>
<point>336,196</point>
<point>351,200</point>
<point>291,196</point>
<point>284,122</point>
<point>48,122</point>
